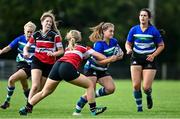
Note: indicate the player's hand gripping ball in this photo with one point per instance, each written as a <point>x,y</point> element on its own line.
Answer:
<point>118,51</point>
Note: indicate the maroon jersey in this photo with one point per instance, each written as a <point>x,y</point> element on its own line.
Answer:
<point>44,44</point>
<point>76,56</point>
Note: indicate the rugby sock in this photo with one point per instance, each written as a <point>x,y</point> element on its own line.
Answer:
<point>92,106</point>
<point>10,93</point>
<point>138,99</point>
<point>148,92</point>
<point>29,107</point>
<point>100,92</point>
<point>149,98</point>
<point>26,93</point>
<point>80,104</point>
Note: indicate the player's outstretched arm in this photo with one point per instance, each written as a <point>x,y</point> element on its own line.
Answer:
<point>5,50</point>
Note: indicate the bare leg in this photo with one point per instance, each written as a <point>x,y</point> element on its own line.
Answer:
<point>36,82</point>
<point>136,75</point>
<point>108,86</point>
<point>148,77</point>
<point>49,87</point>
<point>19,75</point>
<point>84,82</point>
<point>83,99</point>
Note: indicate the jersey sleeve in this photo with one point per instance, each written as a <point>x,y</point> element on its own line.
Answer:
<point>88,52</point>
<point>31,41</point>
<point>157,36</point>
<point>130,35</point>
<point>14,43</point>
<point>116,42</point>
<point>58,41</point>
<point>98,47</point>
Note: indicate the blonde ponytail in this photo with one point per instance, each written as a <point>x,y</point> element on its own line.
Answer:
<point>71,44</point>
<point>72,37</point>
<point>97,33</point>
<point>98,30</point>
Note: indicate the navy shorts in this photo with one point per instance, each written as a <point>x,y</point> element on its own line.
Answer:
<point>63,71</point>
<point>138,59</point>
<point>24,66</point>
<point>98,74</point>
<point>45,68</point>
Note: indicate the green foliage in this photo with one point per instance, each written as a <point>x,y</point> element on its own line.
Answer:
<point>167,18</point>
<point>82,14</point>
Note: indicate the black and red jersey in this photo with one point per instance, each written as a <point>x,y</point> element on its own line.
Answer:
<point>45,43</point>
<point>76,56</point>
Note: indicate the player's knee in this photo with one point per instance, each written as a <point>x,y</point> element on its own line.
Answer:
<point>36,88</point>
<point>11,79</point>
<point>110,90</point>
<point>136,86</point>
<point>45,93</point>
<point>146,88</point>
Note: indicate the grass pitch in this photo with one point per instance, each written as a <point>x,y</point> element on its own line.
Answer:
<point>121,104</point>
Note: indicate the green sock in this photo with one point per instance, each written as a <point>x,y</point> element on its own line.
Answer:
<point>10,93</point>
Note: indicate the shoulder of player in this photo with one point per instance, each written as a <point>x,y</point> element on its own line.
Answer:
<point>37,33</point>
<point>52,32</point>
<point>99,42</point>
<point>135,26</point>
<point>152,27</point>
<point>80,46</point>
<point>20,38</point>
<point>114,39</point>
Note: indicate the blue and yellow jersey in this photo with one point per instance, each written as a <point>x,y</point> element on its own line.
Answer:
<point>19,43</point>
<point>144,42</point>
<point>105,49</point>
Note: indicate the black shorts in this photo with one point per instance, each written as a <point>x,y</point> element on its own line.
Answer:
<point>24,66</point>
<point>98,74</point>
<point>45,68</point>
<point>137,59</point>
<point>63,71</point>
